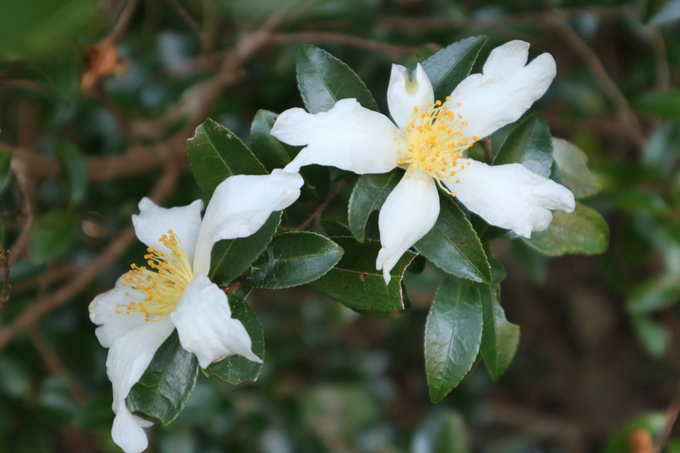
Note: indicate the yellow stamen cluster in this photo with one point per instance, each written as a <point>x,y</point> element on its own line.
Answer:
<point>158,287</point>
<point>436,142</point>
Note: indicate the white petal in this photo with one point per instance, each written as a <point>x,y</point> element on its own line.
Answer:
<point>240,205</point>
<point>409,212</point>
<point>152,222</point>
<point>504,91</point>
<point>128,358</point>
<point>348,136</point>
<point>205,326</point>
<point>403,94</point>
<point>510,196</point>
<point>103,313</point>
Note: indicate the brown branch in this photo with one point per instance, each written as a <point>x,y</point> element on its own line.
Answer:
<point>205,43</point>
<point>122,21</point>
<point>671,417</point>
<point>324,204</point>
<point>66,292</point>
<point>56,366</point>
<point>594,63</point>
<point>395,52</point>
<point>27,190</point>
<point>6,267</point>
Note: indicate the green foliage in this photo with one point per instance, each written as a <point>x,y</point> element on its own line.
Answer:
<point>51,235</point>
<point>529,143</point>
<point>368,195</point>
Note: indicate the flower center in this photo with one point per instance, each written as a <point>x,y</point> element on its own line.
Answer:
<point>436,142</point>
<point>159,286</point>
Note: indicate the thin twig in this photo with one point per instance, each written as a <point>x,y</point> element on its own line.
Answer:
<point>122,21</point>
<point>319,210</point>
<point>395,52</point>
<point>66,292</point>
<point>27,190</point>
<point>6,267</point>
<point>609,87</point>
<point>671,417</point>
<point>205,43</point>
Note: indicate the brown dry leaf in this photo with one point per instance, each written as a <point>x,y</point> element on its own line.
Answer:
<point>640,441</point>
<point>102,60</point>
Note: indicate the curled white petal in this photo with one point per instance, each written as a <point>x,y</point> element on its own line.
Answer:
<point>504,91</point>
<point>129,356</point>
<point>404,93</point>
<point>510,196</point>
<point>103,313</point>
<point>205,326</point>
<point>152,222</point>
<point>409,212</point>
<point>348,136</point>
<point>240,205</point>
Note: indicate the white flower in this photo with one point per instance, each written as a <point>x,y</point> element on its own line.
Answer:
<point>173,290</point>
<point>429,141</point>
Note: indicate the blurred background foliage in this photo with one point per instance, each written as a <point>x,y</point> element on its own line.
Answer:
<point>97,99</point>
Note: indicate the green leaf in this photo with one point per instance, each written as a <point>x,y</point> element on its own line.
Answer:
<point>653,423</point>
<point>453,434</point>
<point>665,104</point>
<point>448,67</point>
<point>74,171</point>
<point>656,294</point>
<point>51,234</point>
<point>355,283</point>
<point>293,259</point>
<point>215,153</point>
<point>167,384</point>
<point>530,144</point>
<point>453,334</point>
<point>500,338</point>
<point>654,337</point>
<point>5,169</point>
<point>230,258</point>
<point>235,369</point>
<point>453,246</point>
<point>368,195</point>
<point>572,169</point>
<point>582,231</point>
<point>323,80</point>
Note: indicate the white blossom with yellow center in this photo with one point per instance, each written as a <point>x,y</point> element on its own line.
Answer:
<point>172,291</point>
<point>428,138</point>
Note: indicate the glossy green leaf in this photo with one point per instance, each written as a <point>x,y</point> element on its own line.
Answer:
<point>453,335</point>
<point>572,169</point>
<point>293,259</point>
<point>453,246</point>
<point>230,258</point>
<point>368,195</point>
<point>5,169</point>
<point>235,369</point>
<point>530,144</point>
<point>324,79</point>
<point>582,231</point>
<point>215,153</point>
<point>448,67</point>
<point>500,338</point>
<point>74,171</point>
<point>167,384</point>
<point>51,234</point>
<point>355,283</point>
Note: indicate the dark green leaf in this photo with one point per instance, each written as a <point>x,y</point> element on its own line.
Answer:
<point>658,293</point>
<point>582,231</point>
<point>270,151</point>
<point>230,258</point>
<point>5,167</point>
<point>368,195</point>
<point>453,246</point>
<point>453,434</point>
<point>660,152</point>
<point>665,104</point>
<point>323,80</point>
<point>74,171</point>
<point>51,234</point>
<point>235,369</point>
<point>500,338</point>
<point>448,67</point>
<point>167,384</point>
<point>355,283</point>
<point>662,13</point>
<point>293,259</point>
<point>572,169</point>
<point>530,144</point>
<point>453,334</point>
<point>215,153</point>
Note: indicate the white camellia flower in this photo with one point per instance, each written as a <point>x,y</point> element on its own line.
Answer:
<point>173,290</point>
<point>429,141</point>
